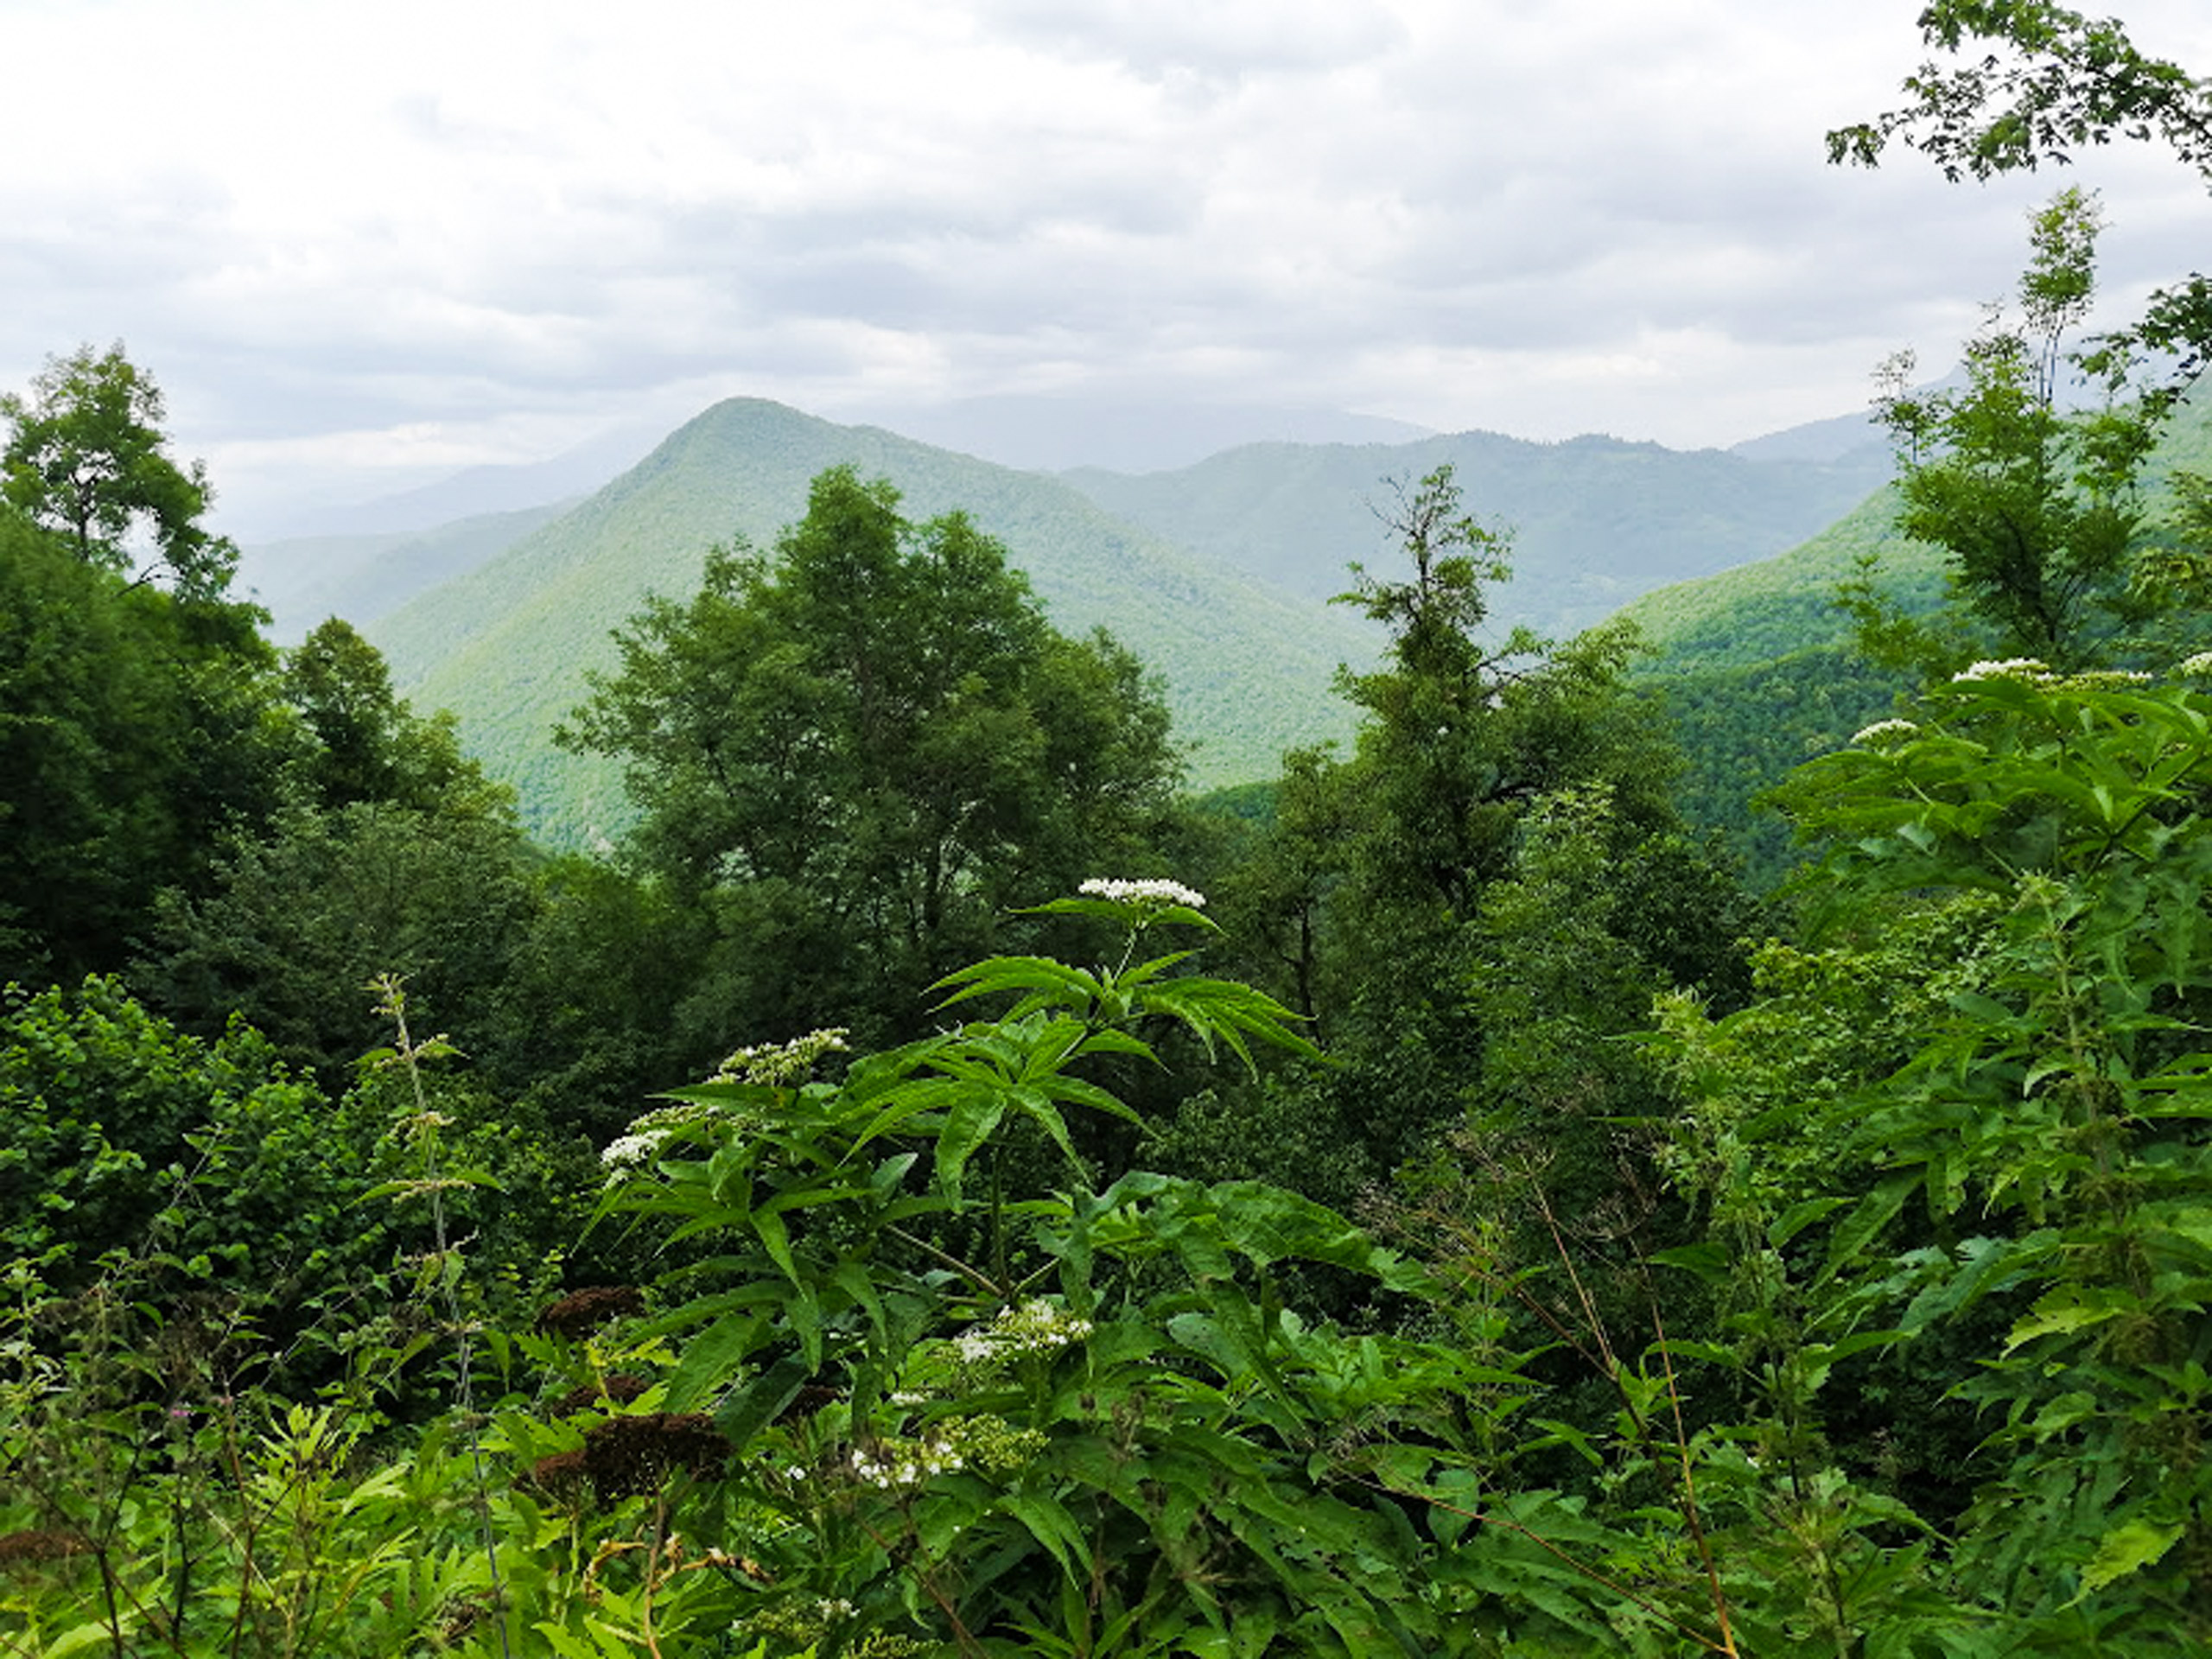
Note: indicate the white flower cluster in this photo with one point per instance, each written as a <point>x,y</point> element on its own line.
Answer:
<point>649,1134</point>
<point>1143,892</point>
<point>2011,668</point>
<point>2104,679</point>
<point>1035,1327</point>
<point>896,1465</point>
<point>780,1063</point>
<point>2194,667</point>
<point>1882,731</point>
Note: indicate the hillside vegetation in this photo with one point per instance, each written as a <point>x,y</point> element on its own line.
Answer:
<point>1595,521</point>
<point>506,646</point>
<point>365,577</point>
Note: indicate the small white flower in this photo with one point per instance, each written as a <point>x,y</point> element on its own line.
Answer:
<point>629,1149</point>
<point>1882,731</point>
<point>2104,679</point>
<point>781,1063</point>
<point>2197,666</point>
<point>1143,892</point>
<point>1035,1327</point>
<point>2010,668</point>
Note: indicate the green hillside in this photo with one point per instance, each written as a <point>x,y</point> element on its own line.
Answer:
<point>1754,663</point>
<point>363,578</point>
<point>1778,606</point>
<point>507,644</point>
<point>1596,521</point>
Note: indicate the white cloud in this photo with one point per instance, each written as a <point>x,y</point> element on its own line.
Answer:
<point>350,238</point>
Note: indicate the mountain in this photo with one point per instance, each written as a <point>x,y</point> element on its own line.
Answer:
<point>471,492</point>
<point>365,577</point>
<point>507,644</point>
<point>1042,433</point>
<point>1755,663</point>
<point>1595,521</point>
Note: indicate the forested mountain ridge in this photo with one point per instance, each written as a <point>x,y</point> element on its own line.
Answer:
<point>1215,574</point>
<point>1594,520</point>
<point>506,644</point>
<point>364,577</point>
<point>1757,611</point>
<point>1756,664</point>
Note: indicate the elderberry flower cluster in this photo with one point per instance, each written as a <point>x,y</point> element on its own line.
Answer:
<point>2011,668</point>
<point>1882,733</point>
<point>2196,667</point>
<point>2104,679</point>
<point>896,1465</point>
<point>1143,892</point>
<point>782,1062</point>
<point>773,1064</point>
<point>650,1133</point>
<point>1035,1327</point>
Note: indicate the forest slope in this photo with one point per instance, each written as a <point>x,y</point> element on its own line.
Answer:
<point>506,644</point>
<point>1595,520</point>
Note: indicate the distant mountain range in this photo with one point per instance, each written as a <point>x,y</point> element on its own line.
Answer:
<point>507,643</point>
<point>1217,573</point>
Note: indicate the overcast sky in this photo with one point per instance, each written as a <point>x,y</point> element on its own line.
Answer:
<point>357,244</point>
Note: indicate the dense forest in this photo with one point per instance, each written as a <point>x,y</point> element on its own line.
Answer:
<point>937,1185</point>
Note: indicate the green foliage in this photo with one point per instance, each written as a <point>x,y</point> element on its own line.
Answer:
<point>868,746</point>
<point>2049,1098</point>
<point>86,455</point>
<point>121,1132</point>
<point>1102,1430</point>
<point>2038,511</point>
<point>136,732</point>
<point>366,744</point>
<point>2051,83</point>
<point>304,917</point>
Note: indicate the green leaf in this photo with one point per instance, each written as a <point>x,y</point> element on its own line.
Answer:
<point>1050,1523</point>
<point>968,1125</point>
<point>1709,1262</point>
<point>1873,1213</point>
<point>712,1357</point>
<point>2127,1549</point>
<point>761,1401</point>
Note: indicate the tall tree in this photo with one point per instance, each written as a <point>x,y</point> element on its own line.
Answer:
<point>86,454</point>
<point>137,732</point>
<point>865,745</point>
<point>2037,507</point>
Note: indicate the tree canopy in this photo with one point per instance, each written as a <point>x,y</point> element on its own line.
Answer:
<point>870,742</point>
<point>86,454</point>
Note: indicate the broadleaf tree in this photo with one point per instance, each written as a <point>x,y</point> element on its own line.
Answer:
<point>863,748</point>
<point>86,454</point>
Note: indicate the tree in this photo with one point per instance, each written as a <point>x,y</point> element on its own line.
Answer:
<point>367,744</point>
<point>137,732</point>
<point>2051,83</point>
<point>864,747</point>
<point>85,454</point>
<point>2037,509</point>
<point>1462,733</point>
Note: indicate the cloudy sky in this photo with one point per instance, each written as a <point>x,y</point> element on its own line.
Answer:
<point>360,244</point>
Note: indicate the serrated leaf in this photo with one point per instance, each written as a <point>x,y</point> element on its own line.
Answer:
<point>2127,1549</point>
